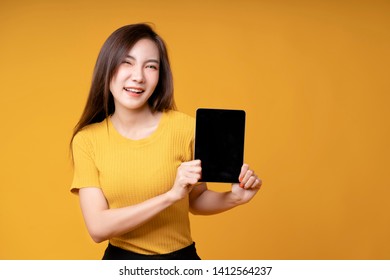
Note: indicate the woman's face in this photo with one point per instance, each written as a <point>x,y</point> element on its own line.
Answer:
<point>137,76</point>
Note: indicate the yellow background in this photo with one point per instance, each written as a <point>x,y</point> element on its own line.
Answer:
<point>313,77</point>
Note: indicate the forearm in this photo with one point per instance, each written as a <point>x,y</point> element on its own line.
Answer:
<point>210,202</point>
<point>104,223</point>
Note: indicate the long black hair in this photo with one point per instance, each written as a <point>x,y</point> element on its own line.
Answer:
<point>100,102</point>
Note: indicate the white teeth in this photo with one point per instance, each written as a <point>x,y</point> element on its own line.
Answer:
<point>134,90</point>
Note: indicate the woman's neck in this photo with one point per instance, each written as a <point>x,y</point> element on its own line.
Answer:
<point>136,124</point>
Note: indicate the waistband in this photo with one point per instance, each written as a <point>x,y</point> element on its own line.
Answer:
<point>115,253</point>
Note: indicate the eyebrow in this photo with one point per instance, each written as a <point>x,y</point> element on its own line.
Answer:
<point>148,60</point>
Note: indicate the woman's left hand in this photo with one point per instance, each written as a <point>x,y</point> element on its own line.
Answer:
<point>249,185</point>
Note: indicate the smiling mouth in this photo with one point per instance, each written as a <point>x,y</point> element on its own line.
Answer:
<point>134,90</point>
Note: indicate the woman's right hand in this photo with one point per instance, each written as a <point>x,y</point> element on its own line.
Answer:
<point>188,174</point>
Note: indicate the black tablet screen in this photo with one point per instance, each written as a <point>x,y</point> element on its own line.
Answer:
<point>219,144</point>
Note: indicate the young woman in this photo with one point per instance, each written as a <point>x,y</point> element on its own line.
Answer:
<point>133,155</point>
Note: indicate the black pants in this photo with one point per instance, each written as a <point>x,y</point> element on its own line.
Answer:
<point>115,253</point>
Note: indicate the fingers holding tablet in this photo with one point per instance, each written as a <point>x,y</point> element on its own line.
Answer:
<point>248,179</point>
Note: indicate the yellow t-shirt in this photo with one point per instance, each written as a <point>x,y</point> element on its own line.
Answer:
<point>131,171</point>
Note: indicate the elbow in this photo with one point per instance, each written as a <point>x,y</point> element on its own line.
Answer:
<point>98,238</point>
<point>97,235</point>
<point>99,231</point>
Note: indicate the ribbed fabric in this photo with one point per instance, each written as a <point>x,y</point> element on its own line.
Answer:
<point>131,171</point>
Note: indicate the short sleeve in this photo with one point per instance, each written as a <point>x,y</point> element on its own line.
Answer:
<point>85,172</point>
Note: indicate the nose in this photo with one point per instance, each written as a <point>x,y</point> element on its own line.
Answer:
<point>137,74</point>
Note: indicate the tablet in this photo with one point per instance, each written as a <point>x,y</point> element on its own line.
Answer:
<point>219,144</point>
